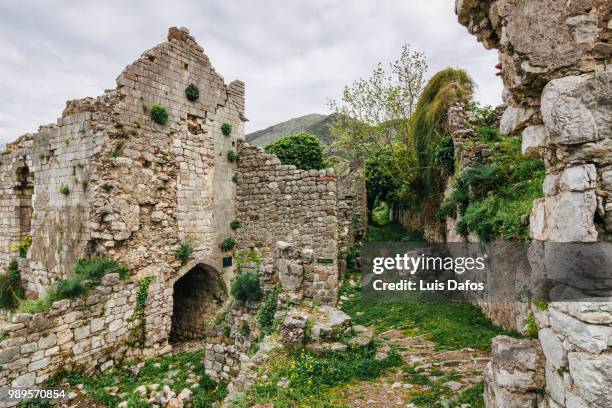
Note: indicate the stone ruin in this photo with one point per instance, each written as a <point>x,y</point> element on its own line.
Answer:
<point>554,59</point>
<point>108,179</point>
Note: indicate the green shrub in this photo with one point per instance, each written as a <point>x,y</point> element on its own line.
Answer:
<point>448,209</point>
<point>107,187</point>
<point>88,272</point>
<point>235,224</point>
<point>227,244</point>
<point>531,326</point>
<point>192,92</point>
<point>493,198</point>
<point>226,129</point>
<point>487,134</point>
<point>232,156</point>
<point>11,287</point>
<point>64,189</point>
<point>245,330</point>
<point>302,150</point>
<point>245,287</point>
<point>159,114</point>
<point>184,251</point>
<point>445,154</point>
<point>352,255</point>
<point>267,310</point>
<point>485,115</point>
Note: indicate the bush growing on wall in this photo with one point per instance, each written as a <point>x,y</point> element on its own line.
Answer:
<point>227,244</point>
<point>88,272</point>
<point>232,156</point>
<point>302,150</point>
<point>11,288</point>
<point>22,247</point>
<point>184,251</point>
<point>192,92</point>
<point>226,129</point>
<point>494,198</point>
<point>159,114</point>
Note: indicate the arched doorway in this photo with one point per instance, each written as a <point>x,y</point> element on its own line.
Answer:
<point>197,297</point>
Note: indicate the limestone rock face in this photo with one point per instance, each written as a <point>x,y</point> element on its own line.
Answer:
<point>578,109</point>
<point>588,337</point>
<point>534,139</point>
<point>578,178</point>
<point>592,376</point>
<point>515,119</point>
<point>552,346</point>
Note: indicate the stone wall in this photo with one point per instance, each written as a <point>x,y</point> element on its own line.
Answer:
<point>108,179</point>
<point>279,202</point>
<point>554,58</point>
<point>94,332</point>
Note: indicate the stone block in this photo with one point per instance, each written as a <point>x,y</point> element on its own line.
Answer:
<point>534,140</point>
<point>592,376</point>
<point>575,109</point>
<point>589,337</point>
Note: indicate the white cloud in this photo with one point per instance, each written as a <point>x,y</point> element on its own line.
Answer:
<point>292,54</point>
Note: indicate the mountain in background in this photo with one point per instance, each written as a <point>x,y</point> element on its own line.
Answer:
<point>314,123</point>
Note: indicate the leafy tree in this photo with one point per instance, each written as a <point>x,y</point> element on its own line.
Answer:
<point>302,149</point>
<point>373,113</point>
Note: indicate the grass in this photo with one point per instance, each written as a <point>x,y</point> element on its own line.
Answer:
<point>437,394</point>
<point>87,274</point>
<point>452,325</point>
<point>176,367</point>
<point>311,377</point>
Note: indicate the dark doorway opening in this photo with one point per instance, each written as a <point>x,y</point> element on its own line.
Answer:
<point>198,296</point>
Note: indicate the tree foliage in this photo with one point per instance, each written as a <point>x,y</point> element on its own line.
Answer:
<point>301,149</point>
<point>373,113</point>
<point>427,133</point>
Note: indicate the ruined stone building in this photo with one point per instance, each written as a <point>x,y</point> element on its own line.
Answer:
<point>555,58</point>
<point>108,179</point>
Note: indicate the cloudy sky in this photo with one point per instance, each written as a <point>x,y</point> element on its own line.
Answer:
<point>292,54</point>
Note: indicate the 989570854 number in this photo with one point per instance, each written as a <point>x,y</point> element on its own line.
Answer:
<point>35,394</point>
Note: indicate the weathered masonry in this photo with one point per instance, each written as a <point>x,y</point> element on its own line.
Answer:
<point>555,58</point>
<point>107,178</point>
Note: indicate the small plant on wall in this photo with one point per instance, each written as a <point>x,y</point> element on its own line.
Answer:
<point>226,129</point>
<point>235,224</point>
<point>227,244</point>
<point>192,92</point>
<point>22,246</point>
<point>159,114</point>
<point>232,156</point>
<point>64,189</point>
<point>184,251</point>
<point>11,287</point>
